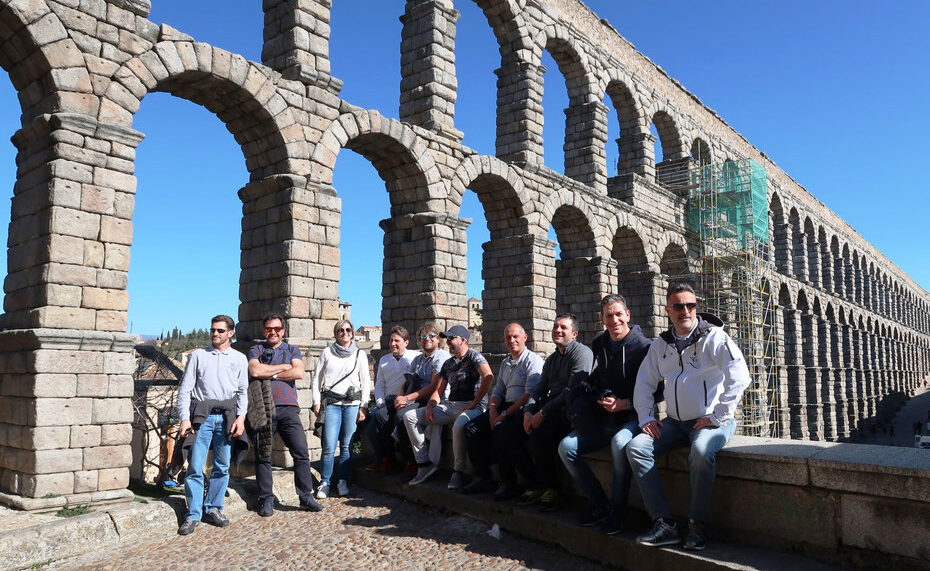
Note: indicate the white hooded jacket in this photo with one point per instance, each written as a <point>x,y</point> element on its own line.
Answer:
<point>706,377</point>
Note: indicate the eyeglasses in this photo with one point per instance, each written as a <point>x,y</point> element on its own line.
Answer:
<point>683,306</point>
<point>274,329</point>
<point>344,330</point>
<point>428,336</point>
<point>451,337</point>
<point>220,331</point>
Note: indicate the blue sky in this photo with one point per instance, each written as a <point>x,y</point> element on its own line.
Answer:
<point>836,93</point>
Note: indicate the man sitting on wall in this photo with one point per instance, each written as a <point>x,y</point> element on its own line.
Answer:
<point>705,376</point>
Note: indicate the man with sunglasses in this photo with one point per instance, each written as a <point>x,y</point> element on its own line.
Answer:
<point>281,365</point>
<point>467,376</point>
<point>705,376</point>
<point>213,392</point>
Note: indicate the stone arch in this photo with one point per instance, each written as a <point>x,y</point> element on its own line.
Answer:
<point>795,396</point>
<point>580,278</point>
<point>633,136</point>
<point>400,156</point>
<point>781,239</point>
<point>838,277</point>
<point>509,292</point>
<point>50,74</point>
<point>634,279</point>
<point>240,93</point>
<point>798,248</point>
<point>669,136</point>
<point>812,253</point>
<point>700,152</point>
<point>824,261</point>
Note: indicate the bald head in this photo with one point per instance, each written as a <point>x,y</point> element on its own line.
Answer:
<point>515,339</point>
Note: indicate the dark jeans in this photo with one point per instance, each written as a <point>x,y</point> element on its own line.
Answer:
<point>286,422</point>
<point>478,443</point>
<point>543,443</point>
<point>512,456</point>
<point>381,426</point>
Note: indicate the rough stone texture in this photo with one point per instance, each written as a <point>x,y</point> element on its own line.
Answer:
<point>854,330</point>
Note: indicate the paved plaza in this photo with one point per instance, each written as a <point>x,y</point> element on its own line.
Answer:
<point>367,530</point>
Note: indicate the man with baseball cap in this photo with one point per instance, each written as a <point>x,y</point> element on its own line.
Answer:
<point>459,394</point>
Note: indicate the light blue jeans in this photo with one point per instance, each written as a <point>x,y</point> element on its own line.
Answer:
<point>580,442</point>
<point>211,434</point>
<point>339,425</point>
<point>705,443</point>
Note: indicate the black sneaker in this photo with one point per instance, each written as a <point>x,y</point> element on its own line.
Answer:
<point>480,486</point>
<point>267,509</point>
<point>662,533</point>
<point>311,504</point>
<point>592,516</point>
<point>695,541</point>
<point>187,527</point>
<point>612,525</point>
<point>216,517</point>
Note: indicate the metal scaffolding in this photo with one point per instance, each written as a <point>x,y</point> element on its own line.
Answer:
<point>728,226</point>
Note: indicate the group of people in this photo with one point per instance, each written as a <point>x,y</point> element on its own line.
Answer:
<point>577,400</point>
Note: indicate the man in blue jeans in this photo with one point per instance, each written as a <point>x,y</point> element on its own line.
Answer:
<point>212,403</point>
<point>601,411</point>
<point>705,376</point>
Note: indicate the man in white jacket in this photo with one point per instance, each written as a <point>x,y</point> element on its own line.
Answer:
<point>705,376</point>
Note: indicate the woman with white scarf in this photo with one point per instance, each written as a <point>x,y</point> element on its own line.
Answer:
<point>340,387</point>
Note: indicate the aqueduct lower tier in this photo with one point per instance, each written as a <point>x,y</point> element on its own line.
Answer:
<point>854,329</point>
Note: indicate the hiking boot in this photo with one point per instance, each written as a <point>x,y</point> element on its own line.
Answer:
<point>592,517</point>
<point>530,497</point>
<point>187,527</point>
<point>216,517</point>
<point>549,501</point>
<point>662,533</point>
<point>342,488</point>
<point>423,472</point>
<point>695,541</point>
<point>310,504</point>
<point>323,491</point>
<point>456,481</point>
<point>267,509</point>
<point>480,485</point>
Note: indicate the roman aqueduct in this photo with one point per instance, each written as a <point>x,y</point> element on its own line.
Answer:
<point>853,327</point>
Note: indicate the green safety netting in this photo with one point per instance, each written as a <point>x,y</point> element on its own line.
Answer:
<point>730,201</point>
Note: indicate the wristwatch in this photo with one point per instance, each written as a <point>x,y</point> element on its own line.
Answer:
<point>274,377</point>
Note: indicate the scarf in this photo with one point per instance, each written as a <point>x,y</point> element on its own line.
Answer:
<point>343,352</point>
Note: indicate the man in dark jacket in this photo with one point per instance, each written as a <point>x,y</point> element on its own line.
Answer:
<point>544,418</point>
<point>601,411</point>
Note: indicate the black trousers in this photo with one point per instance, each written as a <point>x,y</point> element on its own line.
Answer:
<point>381,426</point>
<point>286,422</point>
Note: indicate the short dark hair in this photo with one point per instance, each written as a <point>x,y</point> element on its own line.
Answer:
<point>571,317</point>
<point>272,317</point>
<point>677,287</point>
<point>613,298</point>
<point>225,319</point>
<point>402,331</point>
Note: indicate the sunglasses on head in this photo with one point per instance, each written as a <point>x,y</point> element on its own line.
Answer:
<point>683,306</point>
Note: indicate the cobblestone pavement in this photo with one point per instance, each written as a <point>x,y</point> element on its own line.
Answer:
<point>367,530</point>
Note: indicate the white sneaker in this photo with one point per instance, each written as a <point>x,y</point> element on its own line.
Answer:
<point>322,491</point>
<point>423,473</point>
<point>342,488</point>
